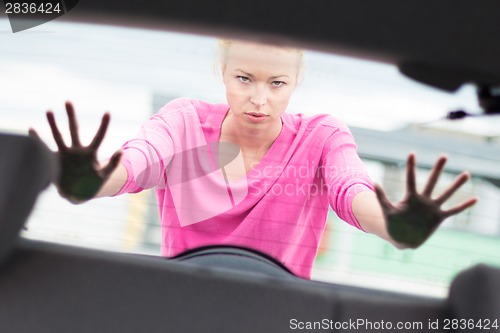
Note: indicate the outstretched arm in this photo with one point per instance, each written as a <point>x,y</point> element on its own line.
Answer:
<point>410,222</point>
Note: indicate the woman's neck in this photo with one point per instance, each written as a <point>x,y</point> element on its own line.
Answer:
<point>250,139</point>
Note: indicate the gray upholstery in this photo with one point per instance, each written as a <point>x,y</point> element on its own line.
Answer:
<point>57,289</point>
<point>26,167</point>
<point>475,294</point>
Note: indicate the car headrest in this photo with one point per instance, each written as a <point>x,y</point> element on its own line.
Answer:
<point>475,294</point>
<point>27,166</point>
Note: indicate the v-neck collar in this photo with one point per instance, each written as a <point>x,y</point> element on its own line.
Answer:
<point>273,156</point>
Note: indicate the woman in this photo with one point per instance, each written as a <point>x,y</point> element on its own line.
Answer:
<point>247,173</point>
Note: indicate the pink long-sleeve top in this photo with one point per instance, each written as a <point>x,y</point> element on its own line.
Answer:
<point>279,208</point>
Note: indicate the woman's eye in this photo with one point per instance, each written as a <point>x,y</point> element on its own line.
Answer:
<point>243,79</point>
<point>278,83</point>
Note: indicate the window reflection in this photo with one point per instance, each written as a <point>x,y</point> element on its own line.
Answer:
<point>132,73</point>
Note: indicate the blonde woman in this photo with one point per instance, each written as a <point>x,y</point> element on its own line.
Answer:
<point>247,173</point>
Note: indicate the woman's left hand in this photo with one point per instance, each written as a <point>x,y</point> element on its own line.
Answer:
<point>412,221</point>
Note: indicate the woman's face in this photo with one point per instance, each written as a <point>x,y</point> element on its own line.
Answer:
<point>259,81</point>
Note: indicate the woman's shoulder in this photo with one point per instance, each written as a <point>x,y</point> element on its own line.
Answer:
<point>185,107</point>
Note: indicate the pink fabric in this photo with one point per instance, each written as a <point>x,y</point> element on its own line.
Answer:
<point>280,208</point>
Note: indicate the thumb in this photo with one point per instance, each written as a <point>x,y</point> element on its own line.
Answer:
<point>382,198</point>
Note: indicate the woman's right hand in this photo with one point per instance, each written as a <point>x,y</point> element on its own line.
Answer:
<point>80,175</point>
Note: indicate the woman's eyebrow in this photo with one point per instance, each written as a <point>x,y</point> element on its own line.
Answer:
<point>278,76</point>
<point>246,74</point>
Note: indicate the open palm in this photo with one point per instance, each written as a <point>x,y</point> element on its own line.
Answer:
<point>80,176</point>
<point>412,220</point>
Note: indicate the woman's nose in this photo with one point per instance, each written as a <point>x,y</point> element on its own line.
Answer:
<point>259,95</point>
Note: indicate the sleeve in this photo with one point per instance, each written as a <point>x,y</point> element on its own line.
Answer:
<point>146,156</point>
<point>344,173</point>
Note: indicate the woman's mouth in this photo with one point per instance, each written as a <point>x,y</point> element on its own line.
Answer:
<point>256,116</point>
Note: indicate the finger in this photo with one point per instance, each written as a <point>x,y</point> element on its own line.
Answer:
<point>459,181</point>
<point>96,142</point>
<point>411,186</point>
<point>112,164</point>
<point>73,126</point>
<point>459,208</point>
<point>55,131</point>
<point>382,198</point>
<point>434,176</point>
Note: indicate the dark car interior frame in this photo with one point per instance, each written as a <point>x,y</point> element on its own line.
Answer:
<point>46,287</point>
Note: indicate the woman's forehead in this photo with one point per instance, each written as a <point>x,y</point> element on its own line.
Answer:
<point>250,55</point>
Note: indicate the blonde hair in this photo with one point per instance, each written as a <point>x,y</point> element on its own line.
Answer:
<point>223,47</point>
